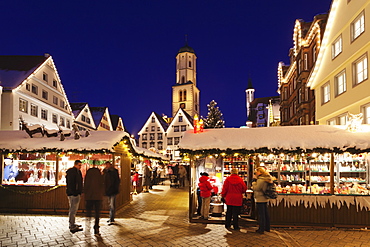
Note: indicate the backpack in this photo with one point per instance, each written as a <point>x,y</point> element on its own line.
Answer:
<point>270,191</point>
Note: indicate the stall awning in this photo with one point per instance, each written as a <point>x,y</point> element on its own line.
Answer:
<point>305,138</point>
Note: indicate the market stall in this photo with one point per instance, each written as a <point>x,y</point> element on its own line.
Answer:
<point>322,171</point>
<point>33,169</point>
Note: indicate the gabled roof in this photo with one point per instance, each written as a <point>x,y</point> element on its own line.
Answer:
<point>187,116</point>
<point>77,107</point>
<point>15,69</point>
<point>264,100</point>
<point>115,120</point>
<point>97,114</point>
<point>163,123</point>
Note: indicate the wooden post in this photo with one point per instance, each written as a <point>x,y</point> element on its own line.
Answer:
<point>56,168</point>
<point>332,173</point>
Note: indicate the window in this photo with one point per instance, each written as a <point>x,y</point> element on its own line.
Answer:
<point>44,114</point>
<point>305,60</point>
<point>44,94</point>
<point>342,119</point>
<point>152,128</point>
<point>299,66</point>
<point>158,128</point>
<point>314,50</point>
<point>177,140</point>
<point>68,124</point>
<point>28,87</point>
<point>153,119</point>
<point>34,89</point>
<point>55,83</point>
<point>62,104</point>
<point>144,137</point>
<point>183,79</point>
<point>55,118</point>
<point>151,144</point>
<point>285,94</point>
<point>325,92</point>
<point>306,94</point>
<point>180,119</point>
<point>88,120</point>
<point>45,77</point>
<point>331,122</point>
<point>169,141</point>
<point>180,96</point>
<point>358,26</point>
<point>183,128</point>
<point>152,137</point>
<point>160,145</point>
<point>146,129</point>
<point>55,100</point>
<point>34,110</point>
<point>182,105</point>
<point>61,121</point>
<point>366,111</point>
<point>336,47</point>
<point>176,129</point>
<point>360,69</point>
<point>340,83</point>
<point>23,105</point>
<point>83,118</point>
<point>184,95</point>
<point>160,136</point>
<point>190,64</point>
<point>299,95</point>
<point>145,145</point>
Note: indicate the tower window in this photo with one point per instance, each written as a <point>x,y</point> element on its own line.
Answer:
<point>184,95</point>
<point>183,79</point>
<point>180,96</point>
<point>189,63</point>
<point>182,105</point>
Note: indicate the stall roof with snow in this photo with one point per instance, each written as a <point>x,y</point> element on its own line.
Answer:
<point>307,138</point>
<point>96,141</point>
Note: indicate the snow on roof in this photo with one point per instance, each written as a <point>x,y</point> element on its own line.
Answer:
<point>307,137</point>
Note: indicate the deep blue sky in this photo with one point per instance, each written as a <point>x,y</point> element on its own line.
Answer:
<point>121,54</point>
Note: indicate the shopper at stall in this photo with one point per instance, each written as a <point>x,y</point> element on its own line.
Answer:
<point>74,191</point>
<point>111,185</point>
<point>232,192</point>
<point>93,190</point>
<point>147,174</point>
<point>263,177</point>
<point>182,175</point>
<point>135,181</point>
<point>205,192</point>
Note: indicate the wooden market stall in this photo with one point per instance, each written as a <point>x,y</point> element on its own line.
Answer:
<point>322,171</point>
<point>33,169</point>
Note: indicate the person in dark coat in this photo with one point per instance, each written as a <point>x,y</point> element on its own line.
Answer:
<point>232,193</point>
<point>111,185</point>
<point>147,174</point>
<point>74,191</point>
<point>93,190</point>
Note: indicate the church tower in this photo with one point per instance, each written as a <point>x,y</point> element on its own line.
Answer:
<point>185,93</point>
<point>249,96</point>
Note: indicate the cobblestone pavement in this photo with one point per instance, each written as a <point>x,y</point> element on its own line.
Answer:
<point>160,218</point>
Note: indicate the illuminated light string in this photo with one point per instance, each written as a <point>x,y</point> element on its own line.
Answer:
<point>29,192</point>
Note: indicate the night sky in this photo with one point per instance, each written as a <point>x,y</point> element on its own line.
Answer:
<point>122,54</point>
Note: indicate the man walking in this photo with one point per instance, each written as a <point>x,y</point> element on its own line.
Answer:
<point>74,191</point>
<point>93,190</point>
<point>111,185</point>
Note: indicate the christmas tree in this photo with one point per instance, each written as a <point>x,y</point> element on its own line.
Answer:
<point>214,118</point>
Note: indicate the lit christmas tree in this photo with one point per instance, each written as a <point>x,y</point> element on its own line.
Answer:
<point>214,118</point>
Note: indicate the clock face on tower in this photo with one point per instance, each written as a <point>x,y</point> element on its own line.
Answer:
<point>182,105</point>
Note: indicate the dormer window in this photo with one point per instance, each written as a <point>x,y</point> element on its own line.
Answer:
<point>45,77</point>
<point>55,83</point>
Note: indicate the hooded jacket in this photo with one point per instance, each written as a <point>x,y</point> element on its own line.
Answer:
<point>260,186</point>
<point>233,190</point>
<point>205,186</point>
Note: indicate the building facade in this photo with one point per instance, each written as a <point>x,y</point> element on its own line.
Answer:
<point>32,92</point>
<point>297,99</point>
<point>340,77</point>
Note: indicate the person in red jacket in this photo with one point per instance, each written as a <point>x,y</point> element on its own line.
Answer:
<point>205,192</point>
<point>232,193</point>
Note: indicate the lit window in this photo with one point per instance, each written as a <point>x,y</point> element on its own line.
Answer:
<point>366,111</point>
<point>34,110</point>
<point>342,120</point>
<point>340,83</point>
<point>331,122</point>
<point>152,128</point>
<point>23,105</point>
<point>325,93</point>
<point>358,26</point>
<point>44,114</point>
<point>360,70</point>
<point>144,137</point>
<point>336,47</point>
<point>169,140</point>
<point>152,137</point>
<point>176,129</point>
<point>62,122</point>
<point>55,118</point>
<point>160,136</point>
